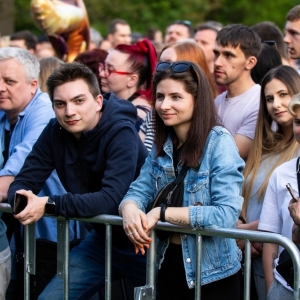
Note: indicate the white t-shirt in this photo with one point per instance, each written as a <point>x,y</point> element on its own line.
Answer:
<point>275,216</point>
<point>239,114</point>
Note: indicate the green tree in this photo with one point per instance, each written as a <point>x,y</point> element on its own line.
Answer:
<point>22,16</point>
<point>252,12</point>
<point>142,15</point>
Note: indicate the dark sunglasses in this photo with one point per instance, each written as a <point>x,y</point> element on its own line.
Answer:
<point>176,67</point>
<point>271,43</point>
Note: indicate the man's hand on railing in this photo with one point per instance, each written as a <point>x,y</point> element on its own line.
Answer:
<point>34,210</point>
<point>135,225</point>
<point>5,181</point>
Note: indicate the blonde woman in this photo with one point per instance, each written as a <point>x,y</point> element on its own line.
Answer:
<point>270,149</point>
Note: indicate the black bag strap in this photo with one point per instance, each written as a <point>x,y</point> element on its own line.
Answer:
<point>177,181</point>
<point>181,175</point>
<point>298,174</point>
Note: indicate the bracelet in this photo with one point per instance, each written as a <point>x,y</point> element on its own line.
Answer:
<point>163,212</point>
<point>242,219</point>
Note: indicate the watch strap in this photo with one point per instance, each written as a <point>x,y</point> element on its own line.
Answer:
<point>163,213</point>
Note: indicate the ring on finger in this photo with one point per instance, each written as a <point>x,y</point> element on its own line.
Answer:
<point>131,233</point>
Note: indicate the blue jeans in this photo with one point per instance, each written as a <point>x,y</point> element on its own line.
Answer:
<point>87,269</point>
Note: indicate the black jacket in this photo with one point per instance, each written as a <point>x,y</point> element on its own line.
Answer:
<point>95,170</point>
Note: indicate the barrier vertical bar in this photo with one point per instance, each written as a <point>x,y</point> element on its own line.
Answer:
<point>30,253</point>
<point>198,266</point>
<point>63,253</point>
<point>151,265</point>
<point>148,292</point>
<point>108,249</point>
<point>295,258</point>
<point>247,270</point>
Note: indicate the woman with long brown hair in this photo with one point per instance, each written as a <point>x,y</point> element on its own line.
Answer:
<point>182,50</point>
<point>188,137</point>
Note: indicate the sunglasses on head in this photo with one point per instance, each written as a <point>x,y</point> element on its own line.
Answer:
<point>271,43</point>
<point>176,67</point>
<point>184,22</point>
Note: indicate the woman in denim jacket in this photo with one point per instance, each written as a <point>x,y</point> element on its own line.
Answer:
<point>187,132</point>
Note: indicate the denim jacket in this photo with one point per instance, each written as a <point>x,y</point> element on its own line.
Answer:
<point>216,182</point>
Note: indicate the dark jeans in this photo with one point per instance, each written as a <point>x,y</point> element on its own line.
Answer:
<point>172,281</point>
<point>87,269</point>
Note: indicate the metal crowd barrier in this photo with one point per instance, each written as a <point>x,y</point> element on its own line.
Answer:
<point>148,291</point>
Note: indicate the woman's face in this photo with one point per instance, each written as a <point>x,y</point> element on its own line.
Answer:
<point>278,98</point>
<point>174,105</point>
<point>114,82</point>
<point>296,124</point>
<point>168,55</point>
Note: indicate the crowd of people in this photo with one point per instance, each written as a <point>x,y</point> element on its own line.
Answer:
<point>211,113</point>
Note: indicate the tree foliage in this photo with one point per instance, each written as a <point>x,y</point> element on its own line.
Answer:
<point>252,12</point>
<point>143,15</point>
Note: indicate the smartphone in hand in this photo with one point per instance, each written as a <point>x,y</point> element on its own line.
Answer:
<point>290,189</point>
<point>20,203</point>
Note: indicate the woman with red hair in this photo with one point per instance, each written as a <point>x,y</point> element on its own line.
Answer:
<point>127,72</point>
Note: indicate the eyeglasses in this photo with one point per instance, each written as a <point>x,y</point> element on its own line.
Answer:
<point>271,43</point>
<point>107,71</point>
<point>176,67</point>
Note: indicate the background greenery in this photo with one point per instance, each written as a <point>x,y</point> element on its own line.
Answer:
<point>143,14</point>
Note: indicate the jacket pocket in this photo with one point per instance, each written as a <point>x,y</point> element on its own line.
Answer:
<point>197,189</point>
<point>156,176</point>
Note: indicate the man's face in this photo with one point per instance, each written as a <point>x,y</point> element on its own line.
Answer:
<point>15,91</point>
<point>121,36</point>
<point>18,43</point>
<point>21,44</point>
<point>176,32</point>
<point>75,107</point>
<point>292,38</point>
<point>207,39</point>
<point>230,64</point>
<point>44,49</point>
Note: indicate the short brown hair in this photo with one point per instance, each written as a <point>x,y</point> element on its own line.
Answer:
<point>70,72</point>
<point>240,35</point>
<point>293,14</point>
<point>112,27</point>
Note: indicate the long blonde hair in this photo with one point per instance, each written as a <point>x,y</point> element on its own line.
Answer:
<point>268,143</point>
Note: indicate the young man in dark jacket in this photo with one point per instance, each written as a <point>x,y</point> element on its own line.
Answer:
<point>97,153</point>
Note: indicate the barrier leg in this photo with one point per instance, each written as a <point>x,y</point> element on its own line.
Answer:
<point>30,253</point>
<point>247,270</point>
<point>63,253</point>
<point>148,292</point>
<point>108,262</point>
<point>198,267</point>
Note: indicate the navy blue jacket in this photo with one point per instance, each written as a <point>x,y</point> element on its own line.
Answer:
<point>95,170</point>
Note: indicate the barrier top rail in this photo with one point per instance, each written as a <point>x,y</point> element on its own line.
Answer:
<point>250,235</point>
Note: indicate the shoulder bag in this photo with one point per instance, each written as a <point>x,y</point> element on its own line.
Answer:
<point>171,195</point>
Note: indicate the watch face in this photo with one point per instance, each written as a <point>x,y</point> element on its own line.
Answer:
<point>50,208</point>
